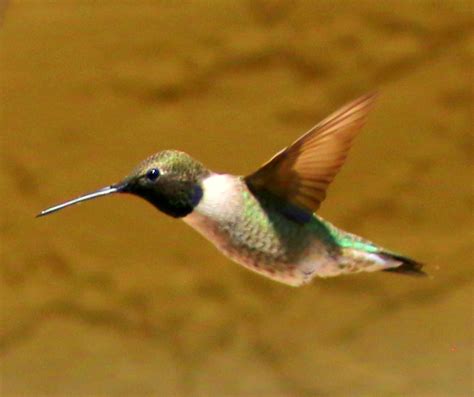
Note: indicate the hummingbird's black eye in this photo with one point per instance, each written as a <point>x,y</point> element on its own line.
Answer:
<point>153,174</point>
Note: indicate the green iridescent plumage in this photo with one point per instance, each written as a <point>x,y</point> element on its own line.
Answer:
<point>266,221</point>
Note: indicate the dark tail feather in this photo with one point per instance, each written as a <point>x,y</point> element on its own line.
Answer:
<point>409,266</point>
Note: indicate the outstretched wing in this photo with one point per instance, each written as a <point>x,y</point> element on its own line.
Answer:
<point>302,172</point>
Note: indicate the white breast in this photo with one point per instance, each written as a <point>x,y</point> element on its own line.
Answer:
<point>221,195</point>
<point>218,206</point>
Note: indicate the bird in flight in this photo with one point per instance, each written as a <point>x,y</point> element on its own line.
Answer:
<point>267,221</point>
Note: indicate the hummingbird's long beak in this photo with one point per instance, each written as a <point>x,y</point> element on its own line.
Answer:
<point>101,192</point>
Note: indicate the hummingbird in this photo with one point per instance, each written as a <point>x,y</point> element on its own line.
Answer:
<point>267,221</point>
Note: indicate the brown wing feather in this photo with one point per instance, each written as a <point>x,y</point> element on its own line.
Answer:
<point>302,172</point>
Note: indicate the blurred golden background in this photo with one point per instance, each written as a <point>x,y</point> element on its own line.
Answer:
<point>114,299</point>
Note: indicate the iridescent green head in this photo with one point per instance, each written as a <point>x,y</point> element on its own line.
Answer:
<point>170,180</point>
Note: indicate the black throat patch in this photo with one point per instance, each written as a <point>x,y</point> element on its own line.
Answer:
<point>176,199</point>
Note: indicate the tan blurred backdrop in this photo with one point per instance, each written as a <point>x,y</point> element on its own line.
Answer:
<point>114,299</point>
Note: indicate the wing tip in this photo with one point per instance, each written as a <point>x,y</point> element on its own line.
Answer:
<point>365,101</point>
<point>341,126</point>
<point>371,95</point>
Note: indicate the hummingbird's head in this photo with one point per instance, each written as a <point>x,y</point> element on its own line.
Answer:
<point>170,180</point>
